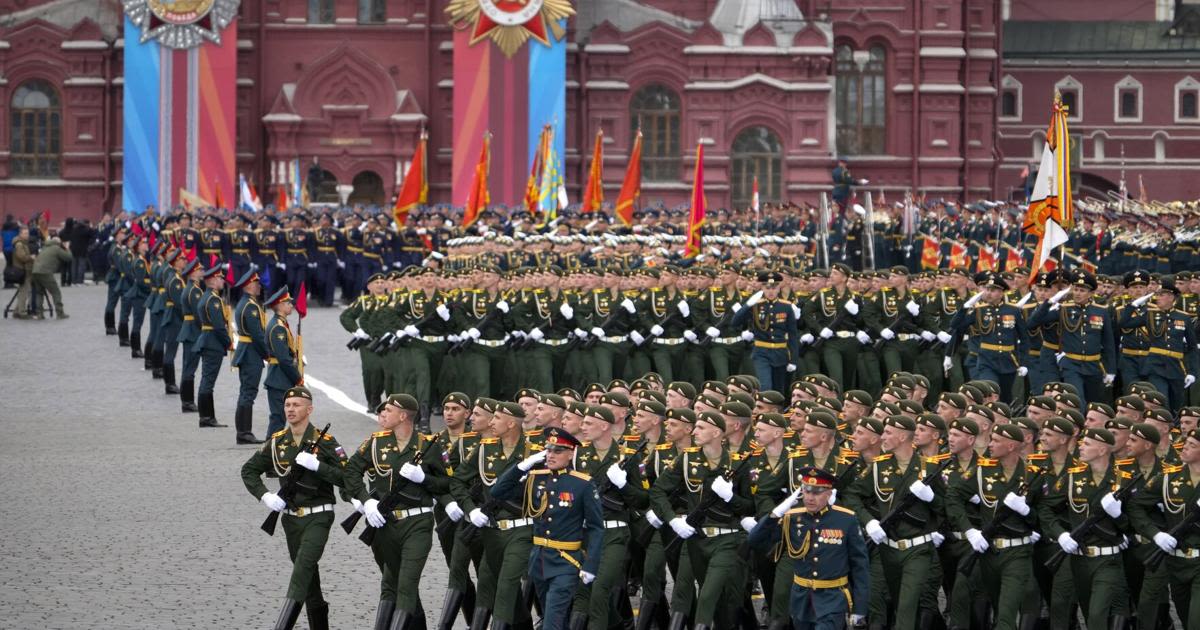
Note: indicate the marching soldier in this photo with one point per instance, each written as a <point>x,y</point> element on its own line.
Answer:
<point>250,353</point>
<point>999,330</point>
<point>1088,353</point>
<point>834,313</point>
<point>456,441</point>
<point>774,328</point>
<point>1171,362</point>
<point>213,342</point>
<point>138,291</point>
<point>172,321</point>
<point>284,369</point>
<point>189,332</point>
<point>358,319</point>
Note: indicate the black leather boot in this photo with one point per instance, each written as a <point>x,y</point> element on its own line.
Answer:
<point>169,385</point>
<point>135,345</point>
<point>932,620</point>
<point>123,334</point>
<point>401,620</point>
<point>148,357</point>
<point>468,603</point>
<point>678,621</point>
<point>479,620</point>
<point>110,323</point>
<point>208,414</point>
<point>450,606</point>
<point>780,624</point>
<point>701,626</point>
<point>243,420</point>
<point>1028,622</point>
<point>383,614</point>
<point>981,610</point>
<point>187,396</point>
<point>501,625</point>
<point>645,616</point>
<point>288,615</point>
<point>578,621</point>
<point>156,356</point>
<point>318,615</point>
<point>1117,622</point>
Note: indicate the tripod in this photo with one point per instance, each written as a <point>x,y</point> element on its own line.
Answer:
<point>39,303</point>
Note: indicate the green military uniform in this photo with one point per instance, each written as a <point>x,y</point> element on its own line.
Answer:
<point>538,316</point>
<point>726,350</point>
<point>829,313</point>
<point>1161,506</point>
<point>940,307</point>
<point>460,591</point>
<point>609,311</point>
<point>657,561</point>
<point>663,330</point>
<point>484,366</point>
<point>897,320</point>
<point>359,317</point>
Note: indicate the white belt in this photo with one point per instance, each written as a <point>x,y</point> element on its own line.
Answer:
<point>909,543</point>
<point>491,343</point>
<point>431,338</point>
<point>845,334</point>
<point>305,511</point>
<point>506,524</point>
<point>1096,552</point>
<point>1187,554</point>
<point>1006,543</point>
<point>669,342</point>
<point>728,341</point>
<point>615,524</point>
<point>403,514</point>
<point>553,342</point>
<point>718,531</point>
<point>907,336</point>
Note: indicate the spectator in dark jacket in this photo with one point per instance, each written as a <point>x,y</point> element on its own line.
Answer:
<point>81,238</point>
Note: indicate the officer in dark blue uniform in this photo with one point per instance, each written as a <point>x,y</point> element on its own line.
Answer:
<point>999,332</point>
<point>212,343</point>
<point>299,249</point>
<point>842,179</point>
<point>773,323</point>
<point>251,352</point>
<point>1171,362</point>
<point>330,243</point>
<point>832,570</point>
<point>568,523</point>
<point>241,241</point>
<point>1088,357</point>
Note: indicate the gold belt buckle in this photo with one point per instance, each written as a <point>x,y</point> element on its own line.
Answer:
<point>1091,552</point>
<point>301,511</point>
<point>901,545</point>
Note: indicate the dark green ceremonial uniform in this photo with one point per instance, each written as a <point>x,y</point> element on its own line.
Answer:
<point>359,316</point>
<point>1165,502</point>
<point>839,352</point>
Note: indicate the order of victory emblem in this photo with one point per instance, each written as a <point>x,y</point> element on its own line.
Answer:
<point>510,23</point>
<point>181,23</point>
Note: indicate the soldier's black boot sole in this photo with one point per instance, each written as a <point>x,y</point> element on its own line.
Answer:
<point>288,615</point>
<point>243,419</point>
<point>169,386</point>
<point>156,363</point>
<point>208,413</point>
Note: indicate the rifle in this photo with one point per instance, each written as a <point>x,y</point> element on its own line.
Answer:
<point>895,323</point>
<point>1090,523</point>
<point>447,525</point>
<point>399,341</point>
<point>909,499</point>
<point>990,530</point>
<point>489,509</point>
<point>383,340</point>
<point>697,517</point>
<point>392,498</point>
<point>357,342</point>
<point>289,485</point>
<point>1155,559</point>
<point>389,502</point>
<point>606,484</point>
<point>612,317</point>
<point>720,323</point>
<point>837,321</point>
<point>461,344</point>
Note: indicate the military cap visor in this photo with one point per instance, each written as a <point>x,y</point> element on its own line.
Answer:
<point>555,436</point>
<point>814,477</point>
<point>211,272</point>
<point>282,295</point>
<point>247,278</point>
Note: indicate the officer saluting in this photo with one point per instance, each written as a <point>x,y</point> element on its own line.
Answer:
<point>565,509</point>
<point>832,571</point>
<point>774,326</point>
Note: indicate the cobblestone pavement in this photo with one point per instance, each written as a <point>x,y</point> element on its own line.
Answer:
<point>119,512</point>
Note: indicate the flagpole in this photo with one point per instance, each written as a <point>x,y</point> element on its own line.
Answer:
<point>869,231</point>
<point>823,230</point>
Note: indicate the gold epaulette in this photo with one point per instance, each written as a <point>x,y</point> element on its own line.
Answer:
<point>468,434</point>
<point>1033,468</point>
<point>849,453</point>
<point>1128,461</point>
<point>936,459</point>
<point>1038,457</point>
<point>632,438</point>
<point>799,451</point>
<point>987,461</point>
<point>756,451</point>
<point>279,433</point>
<point>1177,445</point>
<point>328,438</point>
<point>1124,474</point>
<point>799,510</point>
<point>842,427</point>
<point>491,440</point>
<point>691,449</point>
<point>882,458</point>
<point>581,475</point>
<point>1077,469</point>
<point>625,450</point>
<point>790,433</point>
<point>737,457</point>
<point>533,433</point>
<point>1171,468</point>
<point>381,434</point>
<point>665,446</point>
<point>539,471</point>
<point>839,508</point>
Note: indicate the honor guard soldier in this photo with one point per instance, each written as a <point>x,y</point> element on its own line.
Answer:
<point>268,251</point>
<point>172,321</point>
<point>137,293</point>
<point>1089,350</point>
<point>1171,362</point>
<point>834,313</point>
<point>214,242</point>
<point>568,523</point>
<point>212,343</point>
<point>999,330</point>
<point>1135,345</point>
<point>330,249</point>
<point>300,249</point>
<point>455,441</point>
<point>241,244</point>
<point>359,320</point>
<point>284,369</point>
<point>308,517</point>
<point>773,325</point>
<point>401,546</point>
<point>193,290</point>
<point>830,566</point>
<point>250,354</point>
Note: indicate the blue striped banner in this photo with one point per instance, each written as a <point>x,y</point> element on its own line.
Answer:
<point>547,92</point>
<point>140,163</point>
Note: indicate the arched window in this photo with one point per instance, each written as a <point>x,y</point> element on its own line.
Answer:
<point>757,152</point>
<point>655,110</point>
<point>36,131</point>
<point>861,100</point>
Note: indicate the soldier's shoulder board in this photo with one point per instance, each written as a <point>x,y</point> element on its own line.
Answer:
<point>987,461</point>
<point>581,475</point>
<point>665,446</point>
<point>539,471</point>
<point>882,458</point>
<point>632,438</point>
<point>691,449</point>
<point>279,433</point>
<point>1128,461</point>
<point>737,457</point>
<point>1038,457</point>
<point>799,510</point>
<point>469,434</point>
<point>848,453</point>
<point>1171,468</point>
<point>937,459</point>
<point>1078,469</point>
<point>844,510</point>
<point>799,451</point>
<point>490,440</point>
<point>380,434</point>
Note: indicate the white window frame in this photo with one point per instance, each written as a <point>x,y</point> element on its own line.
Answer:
<point>1099,145</point>
<point>1187,84</point>
<point>1070,83</point>
<point>1011,83</point>
<point>1128,83</point>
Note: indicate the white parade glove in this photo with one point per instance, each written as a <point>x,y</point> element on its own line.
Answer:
<point>581,333</point>
<point>978,542</point>
<point>374,516</point>
<point>653,519</point>
<point>748,523</point>
<point>1111,505</point>
<point>412,472</point>
<point>796,312</point>
<point>747,335</point>
<point>412,331</point>
<point>1054,308</point>
<point>617,476</point>
<point>938,539</point>
<point>851,306</point>
<point>597,332</point>
<point>443,312</point>
<point>453,512</point>
<point>754,299</point>
<point>683,307</point>
<point>536,334</point>
<point>833,496</point>
<point>1188,381</point>
<point>1057,297</point>
<point>308,460</point>
<point>723,487</point>
<point>690,336</point>
<point>656,330</point>
<point>737,306</point>
<point>786,504</point>
<point>862,337</point>
<point>913,308</point>
<point>921,491</point>
<point>531,461</point>
<point>947,363</point>
<point>887,333</point>
<point>587,578</point>
<point>1016,503</point>
<point>681,527</point>
<point>357,505</point>
<point>502,305</point>
<point>928,336</point>
<point>361,334</point>
<point>1035,535</point>
<point>1166,542</point>
<point>281,265</point>
<point>973,300</point>
<point>1142,300</point>
<point>637,337</point>
<point>1058,357</point>
<point>566,310</point>
<point>807,338</point>
<point>826,333</point>
<point>791,367</point>
<point>944,337</point>
<point>712,332</point>
<point>341,264</point>
<point>875,531</point>
<point>1022,371</point>
<point>454,338</point>
<point>975,499</point>
<point>1067,543</point>
<point>478,518</point>
<point>273,502</point>
<point>628,306</point>
<point>473,333</point>
<point>856,621</point>
<point>1109,378</point>
<point>1024,299</point>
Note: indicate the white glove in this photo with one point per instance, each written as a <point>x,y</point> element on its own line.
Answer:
<point>833,496</point>
<point>531,461</point>
<point>754,299</point>
<point>502,305</point>
<point>653,519</point>
<point>443,312</point>
<point>913,308</point>
<point>1035,535</point>
<point>312,265</point>
<point>412,331</point>
<point>341,264</point>
<point>826,333</point>
<point>887,333</point>
<point>597,332</point>
<point>683,307</point>
<point>944,337</point>
<point>478,518</point>
<point>473,333</point>
<point>947,363</point>
<point>1058,357</point>
<point>281,265</point>
<point>656,330</point>
<point>921,491</point>
<point>974,499</point>
<point>566,310</point>
<point>587,578</point>
<point>786,504</point>
<point>973,300</point>
<point>581,333</point>
<point>723,487</point>
<point>374,516</point>
<point>681,527</point>
<point>453,512</point>
<point>412,472</point>
<point>747,335</point>
<point>807,338</point>
<point>1188,381</point>
<point>1111,505</point>
<point>938,539</point>
<point>690,336</point>
<point>536,334</point>
<point>361,334</point>
<point>928,336</point>
<point>357,505</point>
<point>1109,378</point>
<point>1057,297</point>
<point>978,542</point>
<point>628,306</point>
<point>1016,503</point>
<point>454,338</point>
<point>875,532</point>
<point>851,307</point>
<point>713,332</point>
<point>1024,299</point>
<point>273,502</point>
<point>748,523</point>
<point>1142,300</point>
<point>637,337</point>
<point>796,312</point>
<point>737,306</point>
<point>308,460</point>
<point>1166,542</point>
<point>1067,543</point>
<point>617,476</point>
<point>791,367</point>
<point>856,621</point>
<point>862,337</point>
<point>1022,371</point>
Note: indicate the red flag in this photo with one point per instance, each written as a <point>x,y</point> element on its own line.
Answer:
<point>1013,259</point>
<point>958,257</point>
<point>478,198</point>
<point>219,203</point>
<point>212,261</point>
<point>302,301</point>
<point>531,185</point>
<point>987,259</point>
<point>281,198</point>
<point>631,188</point>
<point>699,203</point>
<point>593,192</point>
<point>931,257</point>
<point>229,274</point>
<point>415,190</point>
